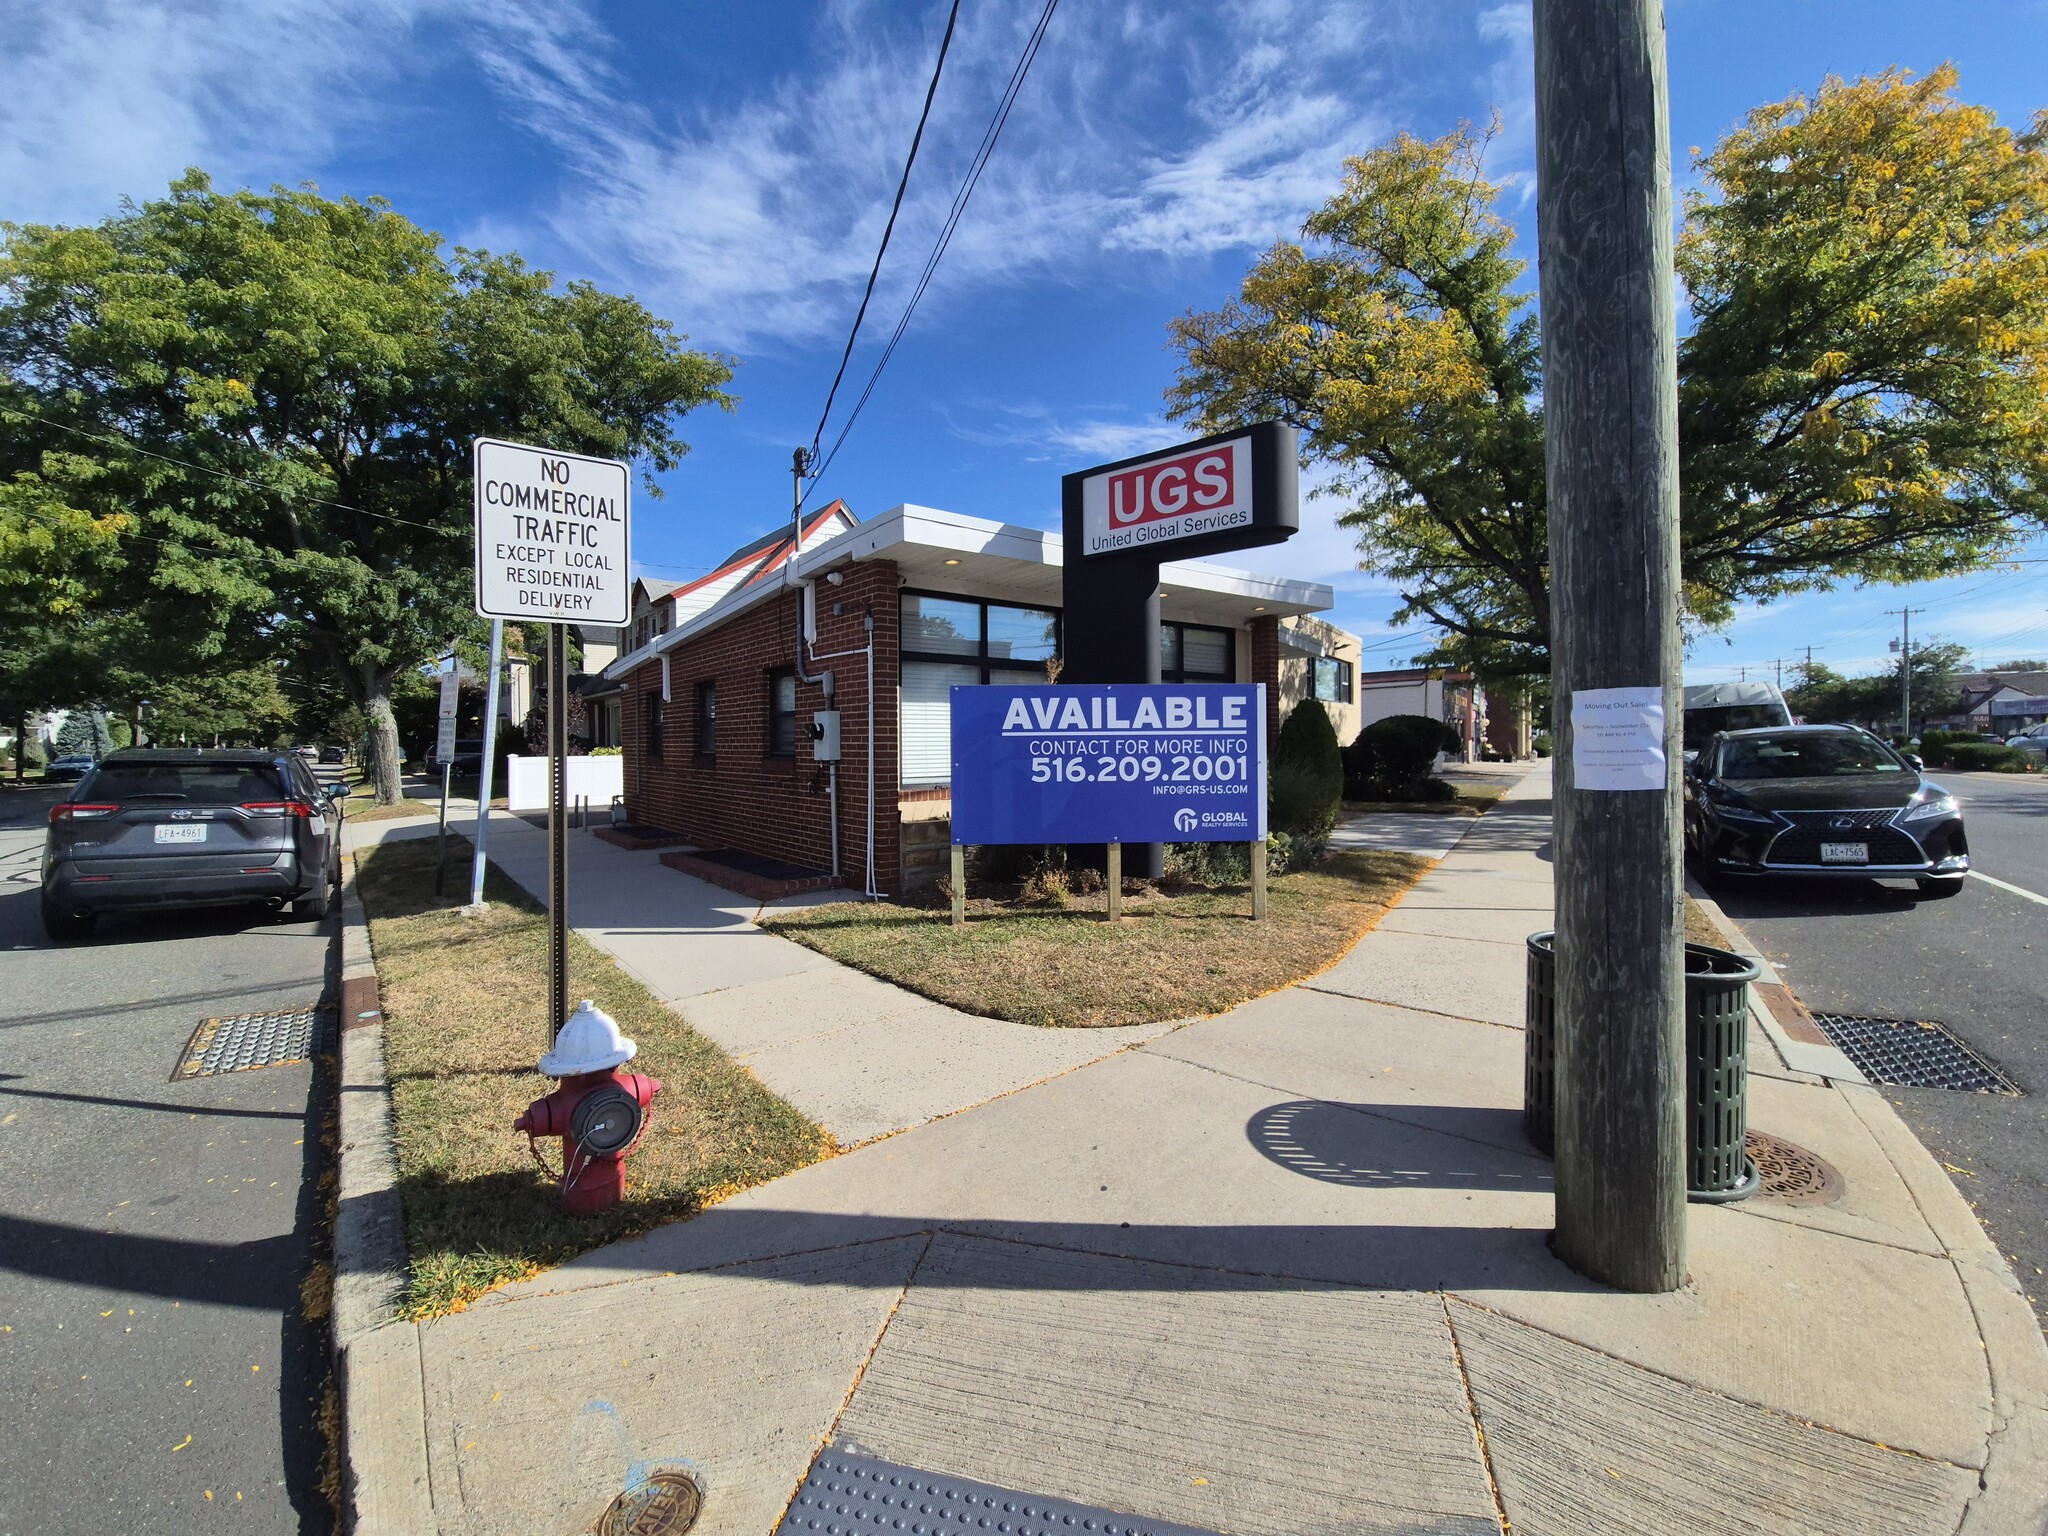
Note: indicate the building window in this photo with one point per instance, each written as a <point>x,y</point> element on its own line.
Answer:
<point>1193,653</point>
<point>1333,680</point>
<point>653,731</point>
<point>707,719</point>
<point>782,713</point>
<point>960,641</point>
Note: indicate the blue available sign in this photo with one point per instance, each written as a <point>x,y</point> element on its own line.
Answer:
<point>1110,763</point>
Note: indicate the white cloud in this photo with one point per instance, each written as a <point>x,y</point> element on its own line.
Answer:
<point>1044,435</point>
<point>1218,127</point>
<point>102,100</point>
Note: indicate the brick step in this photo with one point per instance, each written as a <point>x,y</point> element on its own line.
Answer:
<point>634,839</point>
<point>760,886</point>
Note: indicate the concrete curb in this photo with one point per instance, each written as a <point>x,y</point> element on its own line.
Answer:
<point>1776,1009</point>
<point>2013,1496</point>
<point>376,1354</point>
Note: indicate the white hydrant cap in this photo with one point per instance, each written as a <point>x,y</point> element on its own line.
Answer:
<point>589,1042</point>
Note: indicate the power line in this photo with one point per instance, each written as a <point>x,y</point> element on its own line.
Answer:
<point>219,474</point>
<point>189,547</point>
<point>902,185</point>
<point>976,165</point>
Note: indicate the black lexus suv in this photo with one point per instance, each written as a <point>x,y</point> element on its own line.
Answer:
<point>1825,800</point>
<point>155,827</point>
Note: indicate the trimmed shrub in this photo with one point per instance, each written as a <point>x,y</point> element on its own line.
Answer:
<point>1987,757</point>
<point>1189,865</point>
<point>1306,776</point>
<point>1391,759</point>
<point>1932,742</point>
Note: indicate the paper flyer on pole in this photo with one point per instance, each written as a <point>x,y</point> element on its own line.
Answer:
<point>1618,739</point>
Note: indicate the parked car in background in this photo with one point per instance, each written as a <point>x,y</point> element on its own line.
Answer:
<point>467,761</point>
<point>1826,800</point>
<point>331,755</point>
<point>70,768</point>
<point>153,827</point>
<point>1712,707</point>
<point>2033,741</point>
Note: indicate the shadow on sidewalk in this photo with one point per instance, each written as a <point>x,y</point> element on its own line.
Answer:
<point>759,1243</point>
<point>1347,1144</point>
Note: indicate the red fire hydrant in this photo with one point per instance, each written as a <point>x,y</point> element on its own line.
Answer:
<point>598,1111</point>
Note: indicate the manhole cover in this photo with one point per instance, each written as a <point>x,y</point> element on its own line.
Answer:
<point>848,1494</point>
<point>666,1504</point>
<point>1791,1174</point>
<point>245,1040</point>
<point>1912,1053</point>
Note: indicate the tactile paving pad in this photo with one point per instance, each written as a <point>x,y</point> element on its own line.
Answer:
<point>848,1494</point>
<point>242,1041</point>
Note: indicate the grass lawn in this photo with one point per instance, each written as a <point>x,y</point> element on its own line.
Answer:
<point>1172,957</point>
<point>1700,929</point>
<point>1473,799</point>
<point>464,1002</point>
<point>366,809</point>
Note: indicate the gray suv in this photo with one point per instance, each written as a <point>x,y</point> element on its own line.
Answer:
<point>152,827</point>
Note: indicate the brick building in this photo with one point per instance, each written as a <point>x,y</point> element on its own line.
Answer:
<point>719,722</point>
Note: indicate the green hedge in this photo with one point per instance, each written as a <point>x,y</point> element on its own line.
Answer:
<point>1306,775</point>
<point>1986,757</point>
<point>1391,759</point>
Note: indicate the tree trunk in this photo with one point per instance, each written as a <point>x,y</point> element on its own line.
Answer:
<point>384,752</point>
<point>20,745</point>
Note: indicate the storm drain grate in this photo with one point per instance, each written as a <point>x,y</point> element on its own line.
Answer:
<point>1792,1175</point>
<point>242,1041</point>
<point>848,1494</point>
<point>1912,1053</point>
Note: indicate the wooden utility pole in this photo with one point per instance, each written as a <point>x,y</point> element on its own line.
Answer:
<point>1610,406</point>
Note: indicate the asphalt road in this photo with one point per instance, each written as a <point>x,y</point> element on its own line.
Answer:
<point>158,1373</point>
<point>1977,962</point>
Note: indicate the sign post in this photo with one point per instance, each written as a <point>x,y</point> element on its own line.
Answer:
<point>484,775</point>
<point>1234,490</point>
<point>553,545</point>
<point>444,754</point>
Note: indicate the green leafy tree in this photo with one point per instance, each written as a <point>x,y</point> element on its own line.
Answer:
<point>1396,343</point>
<point>1862,392</point>
<point>309,374</point>
<point>1822,696</point>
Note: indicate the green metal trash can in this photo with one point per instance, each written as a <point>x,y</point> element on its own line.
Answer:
<point>1717,1166</point>
<point>1539,1047</point>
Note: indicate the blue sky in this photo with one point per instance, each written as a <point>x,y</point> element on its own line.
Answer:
<point>731,164</point>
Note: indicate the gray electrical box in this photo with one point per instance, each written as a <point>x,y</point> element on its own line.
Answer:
<point>825,736</point>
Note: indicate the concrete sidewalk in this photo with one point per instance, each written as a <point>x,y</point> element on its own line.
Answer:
<point>859,1056</point>
<point>1280,1271</point>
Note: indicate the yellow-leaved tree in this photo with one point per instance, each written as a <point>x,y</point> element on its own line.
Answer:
<point>1862,392</point>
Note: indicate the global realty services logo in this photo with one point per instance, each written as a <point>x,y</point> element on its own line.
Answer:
<point>1187,819</point>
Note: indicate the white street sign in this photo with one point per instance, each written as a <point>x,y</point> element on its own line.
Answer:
<point>551,535</point>
<point>444,737</point>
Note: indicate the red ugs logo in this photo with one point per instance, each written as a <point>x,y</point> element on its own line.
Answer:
<point>1169,488</point>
